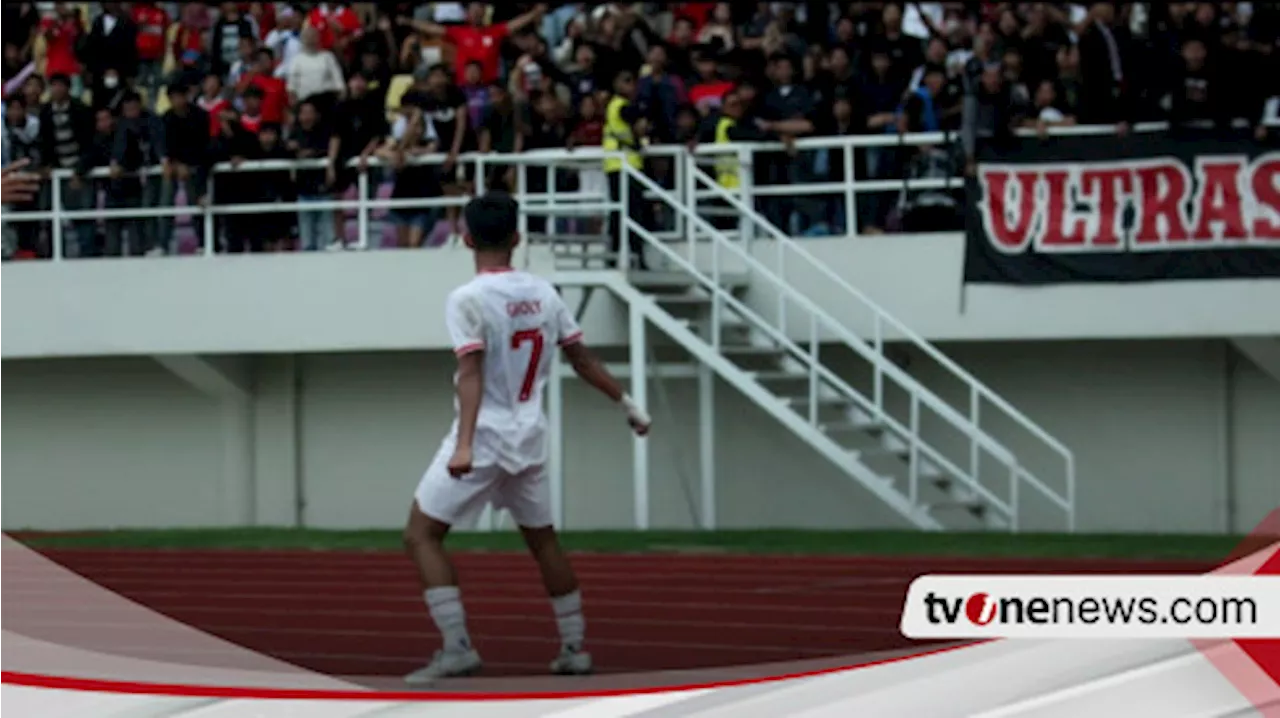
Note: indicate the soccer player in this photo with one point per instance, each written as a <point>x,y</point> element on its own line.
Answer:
<point>500,323</point>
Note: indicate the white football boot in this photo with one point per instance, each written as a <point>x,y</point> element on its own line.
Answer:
<point>571,662</point>
<point>446,664</point>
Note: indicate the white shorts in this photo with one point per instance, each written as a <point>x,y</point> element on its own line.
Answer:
<point>525,494</point>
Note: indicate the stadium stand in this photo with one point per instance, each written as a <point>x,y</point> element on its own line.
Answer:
<point>89,85</point>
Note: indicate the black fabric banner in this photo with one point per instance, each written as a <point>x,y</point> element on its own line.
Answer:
<point>1147,207</point>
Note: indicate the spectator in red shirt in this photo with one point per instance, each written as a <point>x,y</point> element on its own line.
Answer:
<point>61,33</point>
<point>251,118</point>
<point>337,24</point>
<point>211,100</point>
<point>189,50</point>
<point>275,99</point>
<point>152,22</point>
<point>475,41</point>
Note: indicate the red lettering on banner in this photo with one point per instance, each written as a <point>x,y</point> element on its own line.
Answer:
<point>524,308</point>
<point>1056,235</point>
<point>995,214</point>
<point>1266,191</point>
<point>1108,185</point>
<point>1066,207</point>
<point>1218,201</point>
<point>1162,189</point>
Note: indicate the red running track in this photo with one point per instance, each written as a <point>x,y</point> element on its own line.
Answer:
<point>361,614</point>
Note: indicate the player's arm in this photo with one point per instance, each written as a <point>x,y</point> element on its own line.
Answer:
<point>589,368</point>
<point>465,320</point>
<point>470,389</point>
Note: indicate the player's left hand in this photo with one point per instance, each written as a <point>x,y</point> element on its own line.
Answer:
<point>460,462</point>
<point>640,427</point>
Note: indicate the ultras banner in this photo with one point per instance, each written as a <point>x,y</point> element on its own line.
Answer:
<point>1145,207</point>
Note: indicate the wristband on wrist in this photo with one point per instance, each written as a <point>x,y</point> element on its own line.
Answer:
<point>633,411</point>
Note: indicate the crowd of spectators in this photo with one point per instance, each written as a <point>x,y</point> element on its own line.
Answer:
<point>181,86</point>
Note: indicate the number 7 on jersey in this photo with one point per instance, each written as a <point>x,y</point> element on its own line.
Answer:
<point>533,336</point>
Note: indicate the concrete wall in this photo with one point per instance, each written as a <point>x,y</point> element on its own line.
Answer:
<point>1169,436</point>
<point>391,300</point>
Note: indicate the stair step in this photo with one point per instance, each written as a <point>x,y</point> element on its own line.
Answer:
<point>581,250</point>
<point>662,279</point>
<point>568,239</point>
<point>682,299</point>
<point>974,506</point>
<point>749,350</point>
<point>568,258</point>
<point>845,427</point>
<point>871,453</point>
<point>822,400</point>
<point>780,375</point>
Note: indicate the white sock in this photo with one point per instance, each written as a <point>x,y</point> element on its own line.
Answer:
<point>445,605</point>
<point>569,619</point>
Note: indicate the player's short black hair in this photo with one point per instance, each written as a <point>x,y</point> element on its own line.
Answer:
<point>492,220</point>
<point>60,78</point>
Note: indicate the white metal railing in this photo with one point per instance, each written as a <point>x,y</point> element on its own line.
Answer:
<point>553,202</point>
<point>821,321</point>
<point>782,247</point>
<point>853,186</point>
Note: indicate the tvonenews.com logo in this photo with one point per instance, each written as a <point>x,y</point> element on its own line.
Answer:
<point>1093,607</point>
<point>983,609</point>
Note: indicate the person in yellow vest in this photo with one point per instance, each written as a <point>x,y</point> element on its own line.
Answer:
<point>624,130</point>
<point>727,165</point>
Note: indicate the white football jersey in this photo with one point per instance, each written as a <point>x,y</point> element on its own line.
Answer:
<point>517,319</point>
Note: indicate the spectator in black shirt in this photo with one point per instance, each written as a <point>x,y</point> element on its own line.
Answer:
<point>14,61</point>
<point>224,46</point>
<point>583,79</point>
<point>377,74</point>
<point>186,136</point>
<point>97,154</point>
<point>786,101</point>
<point>66,129</point>
<point>413,135</point>
<point>446,106</point>
<point>1103,74</point>
<point>33,92</point>
<point>661,94</point>
<point>503,130</point>
<point>548,129</point>
<point>310,141</point>
<point>139,146</point>
<point>21,19</point>
<point>904,51</point>
<point>1197,91</point>
<point>110,54</point>
<point>359,128</point>
<point>837,80</point>
<point>268,230</point>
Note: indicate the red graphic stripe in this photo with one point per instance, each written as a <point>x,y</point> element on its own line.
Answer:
<point>35,680</point>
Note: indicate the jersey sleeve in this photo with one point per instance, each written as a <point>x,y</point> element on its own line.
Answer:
<point>566,327</point>
<point>464,318</point>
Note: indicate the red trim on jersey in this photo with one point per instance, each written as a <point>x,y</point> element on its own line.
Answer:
<point>571,339</point>
<point>496,270</point>
<point>469,348</point>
